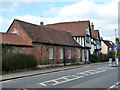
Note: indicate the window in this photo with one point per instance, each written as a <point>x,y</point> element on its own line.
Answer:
<point>110,49</point>
<point>69,54</point>
<point>15,31</point>
<point>51,53</point>
<point>79,53</point>
<point>87,39</point>
<point>97,42</point>
<point>61,53</point>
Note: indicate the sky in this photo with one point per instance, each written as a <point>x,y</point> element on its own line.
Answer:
<point>103,13</point>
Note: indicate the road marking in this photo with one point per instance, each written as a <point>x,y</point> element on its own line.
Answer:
<point>74,77</point>
<point>43,84</point>
<point>67,80</point>
<point>113,86</point>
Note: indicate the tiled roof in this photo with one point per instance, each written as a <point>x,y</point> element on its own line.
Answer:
<point>108,43</point>
<point>47,35</point>
<point>95,33</point>
<point>13,39</point>
<point>77,28</point>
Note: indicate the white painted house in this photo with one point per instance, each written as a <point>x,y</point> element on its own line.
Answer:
<point>95,41</point>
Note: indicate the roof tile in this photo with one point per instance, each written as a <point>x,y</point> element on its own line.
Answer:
<point>77,28</point>
<point>14,39</point>
<point>47,35</point>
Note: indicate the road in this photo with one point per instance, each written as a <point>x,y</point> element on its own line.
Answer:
<point>88,76</point>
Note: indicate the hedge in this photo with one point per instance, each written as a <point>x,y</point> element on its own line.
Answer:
<point>101,57</point>
<point>11,62</point>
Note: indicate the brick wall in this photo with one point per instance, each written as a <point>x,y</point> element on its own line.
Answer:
<point>16,26</point>
<point>42,54</point>
<point>27,50</point>
<point>118,51</point>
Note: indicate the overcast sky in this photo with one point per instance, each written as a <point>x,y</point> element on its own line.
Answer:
<point>103,13</point>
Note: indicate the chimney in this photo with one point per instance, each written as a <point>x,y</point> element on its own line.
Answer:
<point>92,27</point>
<point>101,38</point>
<point>41,23</point>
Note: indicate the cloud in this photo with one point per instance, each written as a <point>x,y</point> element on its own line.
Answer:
<point>103,15</point>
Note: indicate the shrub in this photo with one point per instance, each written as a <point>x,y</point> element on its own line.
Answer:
<point>94,57</point>
<point>105,57</point>
<point>11,62</point>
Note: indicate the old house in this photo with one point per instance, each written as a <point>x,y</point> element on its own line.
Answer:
<point>95,41</point>
<point>81,32</point>
<point>50,46</point>
<point>107,46</point>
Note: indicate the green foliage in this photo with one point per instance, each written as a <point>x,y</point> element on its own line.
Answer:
<point>11,62</point>
<point>111,55</point>
<point>101,57</point>
<point>7,48</point>
<point>94,57</point>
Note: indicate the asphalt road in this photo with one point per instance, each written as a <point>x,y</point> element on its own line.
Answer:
<point>89,76</point>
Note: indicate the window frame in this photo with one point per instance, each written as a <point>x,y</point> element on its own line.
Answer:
<point>61,53</point>
<point>51,57</point>
<point>69,54</point>
<point>79,53</point>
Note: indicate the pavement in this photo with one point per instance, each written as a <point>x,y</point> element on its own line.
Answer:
<point>39,72</point>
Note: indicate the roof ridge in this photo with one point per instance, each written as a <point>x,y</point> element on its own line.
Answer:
<point>26,22</point>
<point>68,22</point>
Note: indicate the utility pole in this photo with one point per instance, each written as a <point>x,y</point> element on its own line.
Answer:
<point>115,50</point>
<point>64,56</point>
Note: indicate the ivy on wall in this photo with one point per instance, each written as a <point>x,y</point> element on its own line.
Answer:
<point>6,48</point>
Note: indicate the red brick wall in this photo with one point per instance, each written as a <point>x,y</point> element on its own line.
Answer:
<point>43,58</point>
<point>27,50</point>
<point>21,32</point>
<point>118,51</point>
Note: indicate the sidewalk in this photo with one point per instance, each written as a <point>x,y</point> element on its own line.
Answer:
<point>38,72</point>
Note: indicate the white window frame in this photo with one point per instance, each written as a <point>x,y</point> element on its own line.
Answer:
<point>61,53</point>
<point>69,53</point>
<point>78,53</point>
<point>51,51</point>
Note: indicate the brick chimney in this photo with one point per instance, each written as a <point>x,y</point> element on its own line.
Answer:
<point>41,23</point>
<point>101,38</point>
<point>92,27</point>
